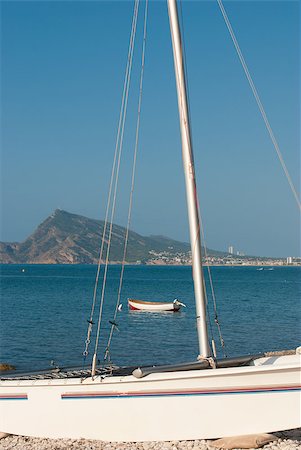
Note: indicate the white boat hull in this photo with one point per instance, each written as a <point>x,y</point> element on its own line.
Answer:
<point>196,404</point>
<point>140,305</point>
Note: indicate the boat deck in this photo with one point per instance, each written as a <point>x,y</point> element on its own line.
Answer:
<point>60,373</point>
<point>142,371</point>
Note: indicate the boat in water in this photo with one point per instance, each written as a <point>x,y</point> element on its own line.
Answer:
<point>209,397</point>
<point>141,305</point>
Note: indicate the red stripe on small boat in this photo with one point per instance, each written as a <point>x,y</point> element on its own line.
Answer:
<point>133,307</point>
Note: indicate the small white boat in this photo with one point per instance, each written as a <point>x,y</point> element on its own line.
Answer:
<point>141,305</point>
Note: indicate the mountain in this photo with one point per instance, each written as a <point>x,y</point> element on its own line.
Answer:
<point>65,238</point>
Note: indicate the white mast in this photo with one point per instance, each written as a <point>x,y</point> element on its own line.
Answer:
<point>194,227</point>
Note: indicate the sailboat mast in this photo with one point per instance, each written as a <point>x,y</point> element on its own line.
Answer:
<point>188,163</point>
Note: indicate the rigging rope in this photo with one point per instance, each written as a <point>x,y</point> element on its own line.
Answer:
<point>114,176</point>
<point>222,342</point>
<point>115,190</point>
<point>258,101</point>
<point>113,322</point>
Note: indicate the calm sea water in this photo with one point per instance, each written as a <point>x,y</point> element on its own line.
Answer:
<point>44,312</point>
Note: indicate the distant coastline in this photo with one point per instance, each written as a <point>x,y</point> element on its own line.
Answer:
<point>66,238</point>
<point>258,265</point>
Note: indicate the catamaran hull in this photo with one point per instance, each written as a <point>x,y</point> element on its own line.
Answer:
<point>162,406</point>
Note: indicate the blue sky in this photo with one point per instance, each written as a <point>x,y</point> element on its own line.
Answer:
<point>63,65</point>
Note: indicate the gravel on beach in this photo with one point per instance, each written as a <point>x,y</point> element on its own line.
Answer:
<point>287,440</point>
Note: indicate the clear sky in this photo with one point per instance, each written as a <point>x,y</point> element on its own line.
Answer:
<point>62,71</point>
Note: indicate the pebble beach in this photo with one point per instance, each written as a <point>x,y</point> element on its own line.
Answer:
<point>286,440</point>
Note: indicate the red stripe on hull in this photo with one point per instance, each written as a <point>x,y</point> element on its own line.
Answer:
<point>13,397</point>
<point>183,392</point>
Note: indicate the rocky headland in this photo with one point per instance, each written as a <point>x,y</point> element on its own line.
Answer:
<point>65,238</point>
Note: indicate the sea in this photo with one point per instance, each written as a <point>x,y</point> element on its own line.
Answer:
<point>45,311</point>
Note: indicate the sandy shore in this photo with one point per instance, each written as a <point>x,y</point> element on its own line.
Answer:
<point>287,440</point>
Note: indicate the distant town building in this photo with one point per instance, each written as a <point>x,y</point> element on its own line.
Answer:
<point>289,260</point>
<point>231,250</point>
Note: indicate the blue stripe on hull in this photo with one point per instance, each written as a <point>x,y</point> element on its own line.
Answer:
<point>13,398</point>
